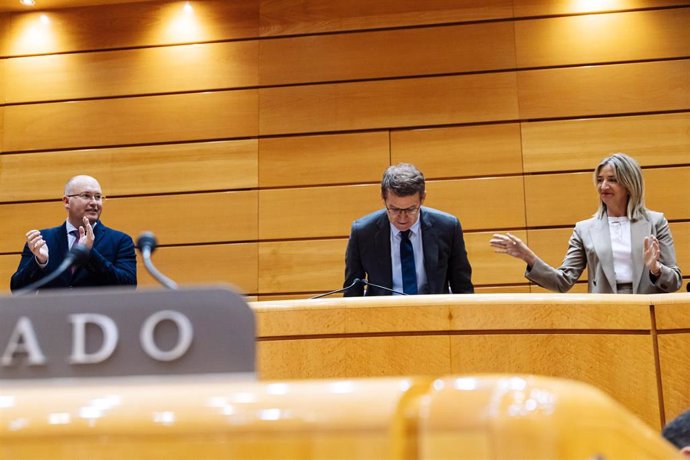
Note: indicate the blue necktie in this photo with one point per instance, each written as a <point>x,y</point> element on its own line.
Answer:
<point>409,274</point>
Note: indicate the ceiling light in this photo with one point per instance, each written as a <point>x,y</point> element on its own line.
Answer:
<point>27,2</point>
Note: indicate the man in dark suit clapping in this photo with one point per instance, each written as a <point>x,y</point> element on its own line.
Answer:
<point>111,260</point>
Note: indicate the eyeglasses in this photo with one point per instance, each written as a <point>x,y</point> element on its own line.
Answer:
<point>411,211</point>
<point>86,196</point>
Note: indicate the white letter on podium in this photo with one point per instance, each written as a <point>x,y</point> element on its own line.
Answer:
<point>24,332</point>
<point>110,336</point>
<point>184,338</point>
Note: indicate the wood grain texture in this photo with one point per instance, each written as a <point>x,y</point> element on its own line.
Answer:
<point>325,159</point>
<point>283,17</point>
<point>489,267</point>
<point>231,216</point>
<point>485,203</point>
<point>602,90</point>
<point>524,8</point>
<point>224,165</point>
<point>297,266</point>
<point>620,365</point>
<point>8,265</point>
<point>653,140</point>
<point>152,119</point>
<point>627,36</point>
<point>185,219</point>
<point>130,72</point>
<point>481,150</point>
<point>390,103</point>
<point>131,25</point>
<point>673,352</point>
<point>315,211</point>
<point>547,194</point>
<point>232,264</point>
<point>388,53</point>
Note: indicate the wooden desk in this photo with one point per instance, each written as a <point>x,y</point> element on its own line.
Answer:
<point>604,340</point>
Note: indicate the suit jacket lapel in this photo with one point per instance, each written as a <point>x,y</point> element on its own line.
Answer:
<point>602,244</point>
<point>430,246</point>
<point>382,246</point>
<point>638,230</point>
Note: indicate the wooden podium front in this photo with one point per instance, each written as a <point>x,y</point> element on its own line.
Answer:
<point>609,341</point>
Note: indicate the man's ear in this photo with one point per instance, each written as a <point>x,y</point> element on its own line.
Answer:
<point>685,451</point>
<point>421,198</point>
<point>65,201</point>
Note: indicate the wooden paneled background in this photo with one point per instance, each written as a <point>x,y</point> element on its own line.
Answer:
<point>249,134</point>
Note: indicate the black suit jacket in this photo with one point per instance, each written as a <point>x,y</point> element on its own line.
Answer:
<point>111,262</point>
<point>445,258</point>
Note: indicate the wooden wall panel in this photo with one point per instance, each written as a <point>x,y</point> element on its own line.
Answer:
<point>298,266</point>
<point>8,265</point>
<point>562,199</point>
<point>225,216</point>
<point>602,90</point>
<point>132,25</point>
<point>314,212</point>
<point>182,117</point>
<point>184,219</point>
<point>129,72</point>
<point>17,219</point>
<point>620,365</point>
<point>651,139</point>
<point>486,203</point>
<point>392,103</point>
<point>603,38</point>
<point>491,268</point>
<point>327,159</point>
<point>283,17</point>
<point>392,53</point>
<point>673,350</point>
<point>132,170</point>
<point>460,151</point>
<point>524,8</point>
<point>234,264</point>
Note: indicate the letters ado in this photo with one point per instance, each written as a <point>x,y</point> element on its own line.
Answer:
<point>23,339</point>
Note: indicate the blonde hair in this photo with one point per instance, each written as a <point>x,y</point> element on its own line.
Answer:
<point>629,175</point>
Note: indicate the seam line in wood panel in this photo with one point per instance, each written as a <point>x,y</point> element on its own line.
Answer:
<point>347,131</point>
<point>344,81</point>
<point>673,331</point>
<point>514,18</point>
<point>657,365</point>
<point>270,338</point>
<point>260,37</point>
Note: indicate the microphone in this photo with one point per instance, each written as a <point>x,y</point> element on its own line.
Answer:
<point>77,256</point>
<point>367,283</point>
<point>147,243</point>
<point>354,283</point>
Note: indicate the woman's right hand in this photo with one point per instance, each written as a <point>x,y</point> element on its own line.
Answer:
<point>513,246</point>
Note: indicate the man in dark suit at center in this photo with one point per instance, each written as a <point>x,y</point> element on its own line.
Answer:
<point>111,260</point>
<point>407,247</point>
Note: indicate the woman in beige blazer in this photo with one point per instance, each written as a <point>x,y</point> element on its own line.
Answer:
<point>627,247</point>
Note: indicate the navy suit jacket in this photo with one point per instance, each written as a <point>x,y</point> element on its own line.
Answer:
<point>111,262</point>
<point>445,258</point>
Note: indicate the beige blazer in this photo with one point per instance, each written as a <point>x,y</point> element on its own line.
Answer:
<point>590,246</point>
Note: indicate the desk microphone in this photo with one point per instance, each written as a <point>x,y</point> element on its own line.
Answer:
<point>353,284</point>
<point>77,256</point>
<point>367,283</point>
<point>147,243</point>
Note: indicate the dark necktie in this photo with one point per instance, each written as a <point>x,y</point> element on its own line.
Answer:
<point>409,274</point>
<point>74,233</point>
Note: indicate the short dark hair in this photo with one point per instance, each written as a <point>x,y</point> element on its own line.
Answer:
<point>677,432</point>
<point>402,179</point>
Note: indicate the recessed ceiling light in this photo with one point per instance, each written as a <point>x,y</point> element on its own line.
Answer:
<point>27,2</point>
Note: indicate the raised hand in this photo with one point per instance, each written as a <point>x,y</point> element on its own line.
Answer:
<point>513,246</point>
<point>37,245</point>
<point>652,254</point>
